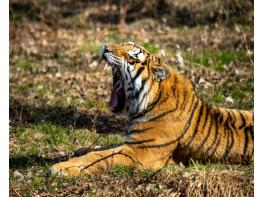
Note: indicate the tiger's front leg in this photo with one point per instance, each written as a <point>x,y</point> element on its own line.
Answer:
<point>95,161</point>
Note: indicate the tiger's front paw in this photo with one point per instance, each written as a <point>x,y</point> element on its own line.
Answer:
<point>65,169</point>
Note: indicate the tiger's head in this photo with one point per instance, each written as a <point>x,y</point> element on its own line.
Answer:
<point>137,75</point>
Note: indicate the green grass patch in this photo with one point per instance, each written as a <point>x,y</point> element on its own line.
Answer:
<point>56,134</point>
<point>26,66</point>
<point>91,47</point>
<point>103,105</point>
<point>77,102</point>
<point>216,59</point>
<point>195,166</point>
<point>151,48</point>
<point>120,170</point>
<point>74,21</point>
<point>239,90</point>
<point>23,64</point>
<point>114,36</point>
<point>109,140</point>
<point>213,95</point>
<point>37,138</point>
<point>21,88</point>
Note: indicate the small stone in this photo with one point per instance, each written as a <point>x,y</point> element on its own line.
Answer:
<point>229,99</point>
<point>162,52</point>
<point>58,74</point>
<point>97,146</point>
<point>29,175</point>
<point>202,82</point>
<point>94,64</point>
<point>149,187</point>
<point>39,135</point>
<point>18,175</point>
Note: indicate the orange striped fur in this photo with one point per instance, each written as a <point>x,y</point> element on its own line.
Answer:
<point>167,121</point>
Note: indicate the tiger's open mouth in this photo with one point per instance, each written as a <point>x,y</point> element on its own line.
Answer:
<point>117,98</point>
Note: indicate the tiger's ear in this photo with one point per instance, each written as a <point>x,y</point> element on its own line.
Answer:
<point>160,73</point>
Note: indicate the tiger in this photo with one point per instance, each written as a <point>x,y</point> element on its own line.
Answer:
<point>167,122</point>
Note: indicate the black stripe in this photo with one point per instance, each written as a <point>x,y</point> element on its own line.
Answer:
<point>131,96</point>
<point>252,153</point>
<point>250,129</point>
<point>230,121</point>
<point>216,133</point>
<point>130,88</point>
<point>245,143</point>
<point>158,145</point>
<point>227,143</point>
<point>206,137</point>
<point>159,61</point>
<point>135,116</point>
<point>221,118</point>
<point>127,66</point>
<point>252,133</point>
<point>138,142</point>
<point>138,73</point>
<point>152,105</point>
<point>142,99</point>
<point>216,146</point>
<point>130,78</point>
<point>175,93</point>
<point>217,142</point>
<point>186,126</point>
<point>233,118</point>
<point>132,65</point>
<point>243,121</point>
<point>184,104</point>
<point>231,115</point>
<point>184,101</point>
<point>190,118</point>
<point>153,117</point>
<point>197,124</point>
<point>161,114</point>
<point>145,94</point>
<point>141,88</point>
<point>145,62</point>
<point>139,130</point>
<point>232,141</point>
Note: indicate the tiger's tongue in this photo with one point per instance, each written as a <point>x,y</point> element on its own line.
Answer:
<point>117,97</point>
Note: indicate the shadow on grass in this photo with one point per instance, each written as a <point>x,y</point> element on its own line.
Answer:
<point>23,113</point>
<point>18,162</point>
